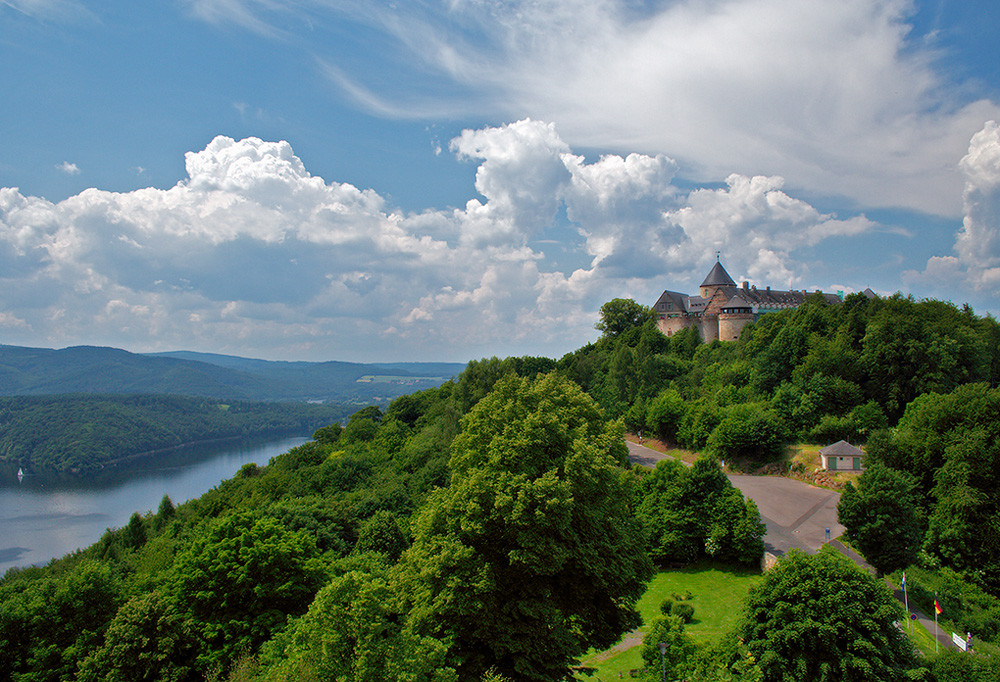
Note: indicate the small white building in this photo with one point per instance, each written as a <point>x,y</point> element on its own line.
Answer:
<point>842,456</point>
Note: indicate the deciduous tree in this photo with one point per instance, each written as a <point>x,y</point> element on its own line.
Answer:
<point>883,518</point>
<point>821,617</point>
<point>532,554</point>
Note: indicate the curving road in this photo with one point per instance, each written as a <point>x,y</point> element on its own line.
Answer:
<point>796,514</point>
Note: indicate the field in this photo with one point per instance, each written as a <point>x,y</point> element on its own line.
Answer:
<point>716,595</point>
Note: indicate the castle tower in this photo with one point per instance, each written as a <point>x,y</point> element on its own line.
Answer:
<point>718,277</point>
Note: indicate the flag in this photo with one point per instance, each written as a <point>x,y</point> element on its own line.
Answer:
<point>904,582</point>
<point>937,608</point>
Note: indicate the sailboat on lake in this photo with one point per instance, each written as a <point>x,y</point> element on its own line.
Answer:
<point>20,475</point>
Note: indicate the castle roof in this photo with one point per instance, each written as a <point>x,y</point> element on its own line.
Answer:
<point>772,299</point>
<point>718,277</point>
<point>737,301</point>
<point>676,302</point>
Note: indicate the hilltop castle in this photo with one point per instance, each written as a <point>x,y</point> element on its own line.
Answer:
<point>722,309</point>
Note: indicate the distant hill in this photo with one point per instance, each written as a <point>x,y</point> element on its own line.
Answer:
<point>91,369</point>
<point>82,434</point>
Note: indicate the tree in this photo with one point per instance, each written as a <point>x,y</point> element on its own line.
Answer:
<point>381,533</point>
<point>621,314</point>
<point>164,513</point>
<point>667,630</point>
<point>240,579</point>
<point>48,625</point>
<point>353,631</point>
<point>694,512</point>
<point>747,432</point>
<point>135,531</point>
<point>664,414</point>
<point>147,640</point>
<point>951,443</point>
<point>883,518</point>
<point>532,555</point>
<point>821,617</point>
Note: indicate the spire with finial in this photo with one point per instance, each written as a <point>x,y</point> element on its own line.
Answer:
<point>718,276</point>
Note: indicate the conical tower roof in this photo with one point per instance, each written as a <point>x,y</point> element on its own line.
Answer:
<point>718,277</point>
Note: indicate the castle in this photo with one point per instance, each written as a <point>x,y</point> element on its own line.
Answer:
<point>723,308</point>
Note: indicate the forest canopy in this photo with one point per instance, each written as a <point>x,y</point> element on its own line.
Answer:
<point>491,529</point>
<point>84,433</point>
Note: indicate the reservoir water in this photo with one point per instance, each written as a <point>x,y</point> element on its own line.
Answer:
<point>44,518</point>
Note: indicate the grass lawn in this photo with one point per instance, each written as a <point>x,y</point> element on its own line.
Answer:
<point>717,593</point>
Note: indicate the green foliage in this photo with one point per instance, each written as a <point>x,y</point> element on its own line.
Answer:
<point>664,414</point>
<point>951,443</point>
<point>620,315</point>
<point>240,579</point>
<point>821,617</point>
<point>531,555</point>
<point>747,432</point>
<point>669,631</point>
<point>696,512</point>
<point>353,631</point>
<point>958,666</point>
<point>49,622</point>
<point>480,376</point>
<point>965,604</point>
<point>146,640</point>
<point>883,518</point>
<point>83,433</point>
<point>381,533</point>
<point>682,610</point>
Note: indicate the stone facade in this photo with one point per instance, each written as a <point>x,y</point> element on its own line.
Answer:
<point>722,309</point>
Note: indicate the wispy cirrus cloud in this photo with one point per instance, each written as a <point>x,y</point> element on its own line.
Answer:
<point>838,98</point>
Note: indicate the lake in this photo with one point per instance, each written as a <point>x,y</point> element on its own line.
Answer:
<point>44,518</point>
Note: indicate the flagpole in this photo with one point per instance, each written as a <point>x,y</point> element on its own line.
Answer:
<point>906,603</point>
<point>936,608</point>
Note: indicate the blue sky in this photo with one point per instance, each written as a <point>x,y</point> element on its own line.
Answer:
<point>317,179</point>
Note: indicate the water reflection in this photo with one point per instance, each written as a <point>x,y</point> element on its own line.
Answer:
<point>44,517</point>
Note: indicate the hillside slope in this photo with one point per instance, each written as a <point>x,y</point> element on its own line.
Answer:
<point>90,369</point>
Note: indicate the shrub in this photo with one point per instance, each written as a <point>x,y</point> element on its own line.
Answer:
<point>682,610</point>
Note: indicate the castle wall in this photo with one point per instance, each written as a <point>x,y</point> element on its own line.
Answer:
<point>731,325</point>
<point>671,325</point>
<point>708,326</point>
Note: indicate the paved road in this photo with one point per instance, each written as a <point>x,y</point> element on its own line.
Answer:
<point>796,514</point>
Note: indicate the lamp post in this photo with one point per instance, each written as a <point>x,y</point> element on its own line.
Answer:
<point>663,661</point>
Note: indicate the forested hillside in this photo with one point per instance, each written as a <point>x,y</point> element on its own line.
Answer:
<point>84,433</point>
<point>817,373</point>
<point>88,369</point>
<point>491,528</point>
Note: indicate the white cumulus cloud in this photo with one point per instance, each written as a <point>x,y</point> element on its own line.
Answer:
<point>976,262</point>
<point>252,254</point>
<point>68,168</point>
